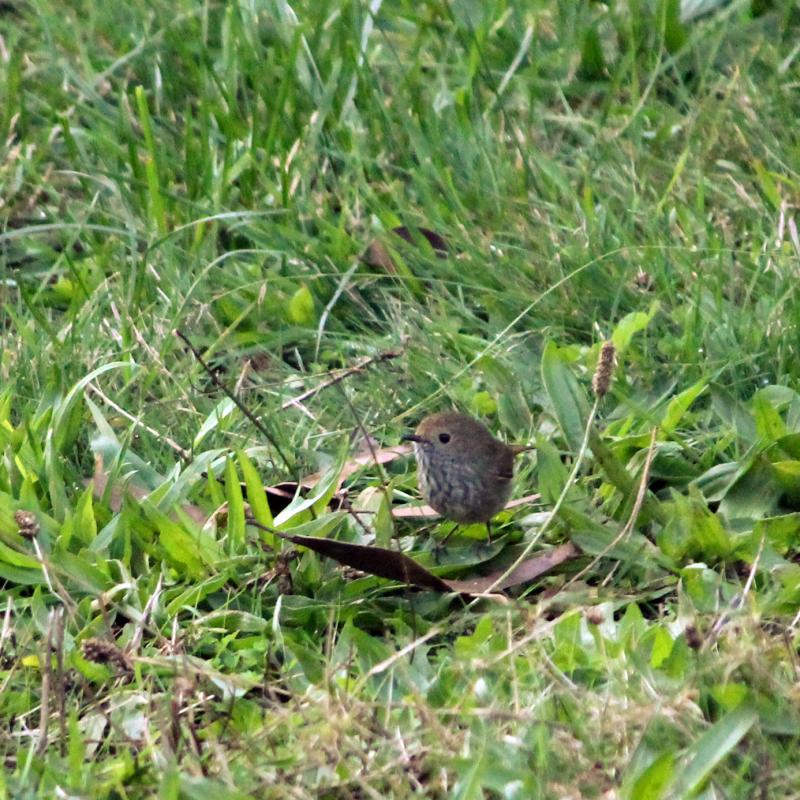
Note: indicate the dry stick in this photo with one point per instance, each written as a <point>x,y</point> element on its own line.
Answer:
<point>53,582</point>
<point>238,403</point>
<point>737,600</point>
<point>620,478</point>
<point>559,502</point>
<point>384,487</point>
<point>6,632</point>
<point>58,646</point>
<point>47,672</point>
<point>136,640</point>
<point>637,507</point>
<point>392,659</point>
<point>345,372</point>
<point>365,434</point>
<point>185,454</point>
<point>601,383</point>
<point>616,472</point>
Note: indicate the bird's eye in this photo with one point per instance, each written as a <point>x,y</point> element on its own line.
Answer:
<point>444,438</point>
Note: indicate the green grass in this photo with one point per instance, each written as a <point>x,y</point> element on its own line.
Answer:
<point>221,168</point>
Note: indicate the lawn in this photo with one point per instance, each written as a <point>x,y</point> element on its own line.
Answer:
<point>246,246</point>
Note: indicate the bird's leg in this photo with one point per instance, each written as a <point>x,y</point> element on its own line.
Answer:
<point>439,545</point>
<point>452,531</point>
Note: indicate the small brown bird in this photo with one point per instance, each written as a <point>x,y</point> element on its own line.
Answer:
<point>464,473</point>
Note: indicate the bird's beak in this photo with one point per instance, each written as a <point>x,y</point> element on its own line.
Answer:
<point>412,437</point>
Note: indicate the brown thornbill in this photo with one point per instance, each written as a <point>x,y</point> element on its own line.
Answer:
<point>464,473</point>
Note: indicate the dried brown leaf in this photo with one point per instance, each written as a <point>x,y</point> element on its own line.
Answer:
<point>435,240</point>
<point>376,255</point>
<point>426,512</point>
<point>397,566</point>
<point>378,561</point>
<point>527,571</point>
<point>383,456</point>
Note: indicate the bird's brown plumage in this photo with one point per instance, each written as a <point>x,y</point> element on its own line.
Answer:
<point>464,473</point>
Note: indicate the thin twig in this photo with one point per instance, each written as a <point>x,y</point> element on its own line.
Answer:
<point>185,454</point>
<point>53,583</point>
<point>58,646</point>
<point>398,655</point>
<point>559,502</point>
<point>47,675</point>
<point>238,403</point>
<point>737,601</point>
<point>331,303</point>
<point>346,372</point>
<point>136,640</point>
<point>637,507</point>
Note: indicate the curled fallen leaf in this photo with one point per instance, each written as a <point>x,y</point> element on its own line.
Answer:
<point>435,240</point>
<point>397,566</point>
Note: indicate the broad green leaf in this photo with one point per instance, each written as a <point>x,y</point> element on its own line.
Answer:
<point>318,497</point>
<point>788,475</point>
<point>552,473</point>
<point>674,31</point>
<point>234,620</point>
<point>662,647</point>
<point>513,409</point>
<point>108,447</point>
<point>301,307</point>
<point>713,746</point>
<point>84,521</point>
<point>185,549</point>
<point>372,509</point>
<point>11,556</point>
<point>735,414</point>
<point>781,397</point>
<point>233,494</point>
<point>567,400</point>
<point>483,403</point>
<point>20,576</point>
<point>680,404</point>
<point>174,490</point>
<point>256,495</point>
<point>214,489</point>
<point>6,403</point>
<point>321,526</point>
<point>631,324</point>
<point>693,529</point>
<point>782,532</point>
<point>790,444</point>
<point>192,596</point>
<point>79,571</point>
<point>769,425</point>
<point>730,695</point>
<point>653,783</point>
<point>768,184</point>
<point>593,65</point>
<point>715,482</point>
<point>754,495</point>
